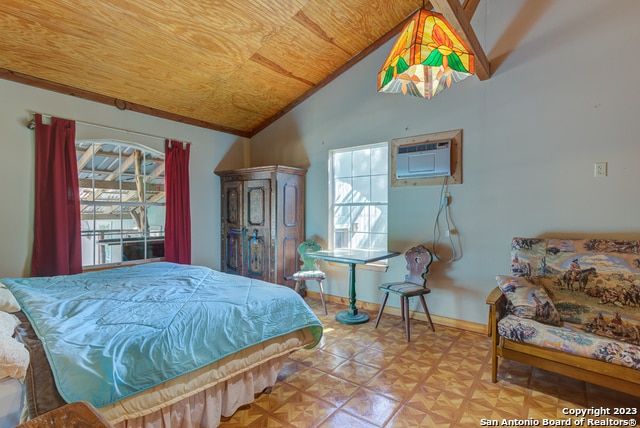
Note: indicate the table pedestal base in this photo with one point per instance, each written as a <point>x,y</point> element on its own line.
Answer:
<point>348,317</point>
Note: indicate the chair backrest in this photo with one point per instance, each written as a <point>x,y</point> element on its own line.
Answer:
<point>418,260</point>
<point>308,263</point>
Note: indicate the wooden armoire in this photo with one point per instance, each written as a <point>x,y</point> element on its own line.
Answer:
<point>262,221</point>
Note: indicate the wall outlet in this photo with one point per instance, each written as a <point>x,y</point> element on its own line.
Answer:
<point>600,169</point>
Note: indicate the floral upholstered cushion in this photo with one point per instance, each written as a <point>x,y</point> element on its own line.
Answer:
<point>570,338</point>
<point>528,300</point>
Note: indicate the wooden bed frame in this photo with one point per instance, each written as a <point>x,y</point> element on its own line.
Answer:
<point>601,373</point>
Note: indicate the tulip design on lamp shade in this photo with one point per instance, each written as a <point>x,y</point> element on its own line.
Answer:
<point>426,58</point>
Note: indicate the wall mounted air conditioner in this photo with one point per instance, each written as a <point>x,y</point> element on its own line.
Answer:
<point>426,159</point>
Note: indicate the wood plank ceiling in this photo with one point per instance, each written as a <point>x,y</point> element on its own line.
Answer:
<point>230,65</point>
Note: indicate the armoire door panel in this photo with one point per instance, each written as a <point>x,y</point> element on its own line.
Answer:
<point>233,206</point>
<point>290,256</point>
<point>257,202</point>
<point>258,213</point>
<point>290,205</point>
<point>235,251</point>
<point>256,252</point>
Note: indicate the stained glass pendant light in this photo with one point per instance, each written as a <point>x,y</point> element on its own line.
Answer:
<point>426,58</point>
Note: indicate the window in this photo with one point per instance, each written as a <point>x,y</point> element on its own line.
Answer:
<point>358,197</point>
<point>122,202</point>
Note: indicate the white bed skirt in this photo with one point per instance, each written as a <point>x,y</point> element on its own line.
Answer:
<point>204,409</point>
<point>200,398</point>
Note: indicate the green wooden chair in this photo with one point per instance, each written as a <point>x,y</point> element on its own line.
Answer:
<point>415,284</point>
<point>309,270</point>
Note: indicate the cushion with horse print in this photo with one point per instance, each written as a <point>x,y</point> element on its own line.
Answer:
<point>528,300</point>
<point>594,283</point>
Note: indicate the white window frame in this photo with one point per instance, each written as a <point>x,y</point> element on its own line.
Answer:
<point>377,205</point>
<point>91,235</point>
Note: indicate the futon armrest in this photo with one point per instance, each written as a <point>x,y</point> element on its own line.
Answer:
<point>497,305</point>
<point>495,296</point>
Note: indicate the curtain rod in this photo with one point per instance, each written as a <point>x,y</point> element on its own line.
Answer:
<point>32,124</point>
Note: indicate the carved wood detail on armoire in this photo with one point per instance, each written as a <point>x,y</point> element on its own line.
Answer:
<point>262,221</point>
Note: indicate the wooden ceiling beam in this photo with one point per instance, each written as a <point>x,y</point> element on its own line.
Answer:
<point>119,104</point>
<point>470,7</point>
<point>458,18</point>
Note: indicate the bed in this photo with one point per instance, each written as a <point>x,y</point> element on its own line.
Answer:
<point>158,344</point>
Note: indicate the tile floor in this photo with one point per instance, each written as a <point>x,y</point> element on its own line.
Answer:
<point>359,376</point>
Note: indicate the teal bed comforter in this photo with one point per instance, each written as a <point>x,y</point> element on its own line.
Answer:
<point>113,333</point>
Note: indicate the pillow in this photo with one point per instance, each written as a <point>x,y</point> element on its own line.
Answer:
<point>14,358</point>
<point>8,324</point>
<point>528,300</point>
<point>8,303</point>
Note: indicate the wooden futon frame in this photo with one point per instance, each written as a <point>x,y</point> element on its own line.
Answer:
<point>609,375</point>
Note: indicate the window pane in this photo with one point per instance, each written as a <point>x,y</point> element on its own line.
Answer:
<point>379,219</point>
<point>154,167</point>
<point>356,212</point>
<point>342,164</point>
<point>86,193</point>
<point>155,196</point>
<point>362,162</point>
<point>343,191</point>
<point>157,183</point>
<point>341,238</point>
<point>378,242</point>
<point>360,240</point>
<point>109,195</point>
<point>341,217</point>
<point>156,216</point>
<point>379,188</point>
<point>101,176</point>
<point>127,178</point>
<point>361,222</point>
<point>362,189</point>
<point>379,160</point>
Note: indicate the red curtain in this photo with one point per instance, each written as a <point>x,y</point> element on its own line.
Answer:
<point>56,232</point>
<point>177,235</point>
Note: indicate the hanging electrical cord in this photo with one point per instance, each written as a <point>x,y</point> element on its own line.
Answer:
<point>443,209</point>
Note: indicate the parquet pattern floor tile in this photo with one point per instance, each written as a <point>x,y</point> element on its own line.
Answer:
<point>358,376</point>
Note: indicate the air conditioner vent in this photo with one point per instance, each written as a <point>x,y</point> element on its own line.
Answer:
<point>426,159</point>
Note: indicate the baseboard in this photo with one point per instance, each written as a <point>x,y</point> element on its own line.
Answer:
<point>373,308</point>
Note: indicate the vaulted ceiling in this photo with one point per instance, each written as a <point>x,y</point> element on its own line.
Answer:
<point>230,65</point>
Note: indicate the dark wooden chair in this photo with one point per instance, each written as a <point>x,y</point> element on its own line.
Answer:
<point>309,270</point>
<point>415,284</point>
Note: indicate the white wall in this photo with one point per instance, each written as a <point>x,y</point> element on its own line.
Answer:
<point>210,150</point>
<point>562,96</point>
